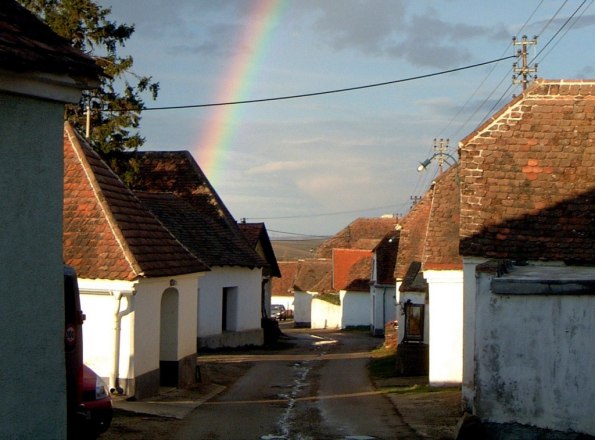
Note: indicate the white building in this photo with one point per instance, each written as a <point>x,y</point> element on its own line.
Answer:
<point>138,284</point>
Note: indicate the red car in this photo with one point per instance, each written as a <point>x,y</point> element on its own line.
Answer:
<point>94,412</point>
<point>89,406</point>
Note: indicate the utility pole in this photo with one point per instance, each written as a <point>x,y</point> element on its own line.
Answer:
<point>440,148</point>
<point>524,70</point>
<point>414,200</point>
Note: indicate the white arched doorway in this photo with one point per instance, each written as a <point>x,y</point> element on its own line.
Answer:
<point>168,348</point>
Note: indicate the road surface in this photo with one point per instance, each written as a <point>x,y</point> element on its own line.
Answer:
<point>317,390</point>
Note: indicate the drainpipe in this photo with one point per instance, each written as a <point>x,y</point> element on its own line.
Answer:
<point>114,384</point>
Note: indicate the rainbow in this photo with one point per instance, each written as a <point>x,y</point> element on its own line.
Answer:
<point>215,139</point>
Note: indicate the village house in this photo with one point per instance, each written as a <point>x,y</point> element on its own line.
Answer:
<point>229,310</point>
<point>40,73</point>
<point>314,277</point>
<point>383,294</point>
<point>258,238</point>
<point>138,284</point>
<point>528,245</point>
<point>282,287</point>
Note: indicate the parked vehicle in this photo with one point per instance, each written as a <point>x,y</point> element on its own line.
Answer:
<point>89,407</point>
<point>94,413</point>
<point>278,312</point>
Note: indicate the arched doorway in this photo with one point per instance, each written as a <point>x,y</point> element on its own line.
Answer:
<point>168,349</point>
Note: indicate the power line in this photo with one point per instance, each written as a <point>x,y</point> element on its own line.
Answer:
<point>327,92</point>
<point>355,211</point>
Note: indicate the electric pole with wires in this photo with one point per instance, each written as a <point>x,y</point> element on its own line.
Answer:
<point>524,70</point>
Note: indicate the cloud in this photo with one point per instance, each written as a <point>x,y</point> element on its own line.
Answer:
<point>276,167</point>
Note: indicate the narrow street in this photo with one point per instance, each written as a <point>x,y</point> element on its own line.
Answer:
<point>317,390</point>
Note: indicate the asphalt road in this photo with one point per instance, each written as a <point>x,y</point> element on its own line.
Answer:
<point>316,391</point>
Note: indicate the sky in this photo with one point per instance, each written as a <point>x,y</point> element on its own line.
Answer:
<point>312,165</point>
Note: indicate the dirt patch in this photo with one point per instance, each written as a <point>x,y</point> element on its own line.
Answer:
<point>130,426</point>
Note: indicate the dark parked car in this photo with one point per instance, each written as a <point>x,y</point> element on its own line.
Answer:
<point>278,311</point>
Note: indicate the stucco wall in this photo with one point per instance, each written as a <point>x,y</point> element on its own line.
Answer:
<point>302,312</point>
<point>140,334</point>
<point>325,315</point>
<point>383,307</point>
<point>356,308</point>
<point>32,371</point>
<point>446,326</point>
<point>247,313</point>
<point>534,353</point>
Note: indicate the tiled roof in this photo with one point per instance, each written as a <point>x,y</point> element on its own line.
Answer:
<point>352,269</point>
<point>27,44</point>
<point>206,237</point>
<point>386,258</point>
<point>172,183</point>
<point>414,281</point>
<point>258,238</point>
<point>283,286</point>
<point>441,250</point>
<point>528,179</point>
<point>314,275</point>
<point>108,234</point>
<point>363,233</point>
<point>414,227</point>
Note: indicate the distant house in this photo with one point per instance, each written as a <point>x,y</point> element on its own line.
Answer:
<point>258,238</point>
<point>352,270</point>
<point>363,233</point>
<point>174,188</point>
<point>383,283</point>
<point>528,244</point>
<point>314,277</point>
<point>283,287</point>
<point>40,72</point>
<point>138,283</point>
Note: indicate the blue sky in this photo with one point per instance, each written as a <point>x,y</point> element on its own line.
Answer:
<point>313,165</point>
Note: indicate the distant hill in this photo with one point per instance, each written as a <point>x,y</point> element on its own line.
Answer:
<point>291,250</point>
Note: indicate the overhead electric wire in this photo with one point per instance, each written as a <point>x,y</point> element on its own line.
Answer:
<point>326,92</point>
<point>355,211</point>
<point>566,30</point>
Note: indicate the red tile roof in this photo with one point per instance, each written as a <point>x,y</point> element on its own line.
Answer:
<point>414,227</point>
<point>528,179</point>
<point>27,44</point>
<point>172,183</point>
<point>108,234</point>
<point>283,286</point>
<point>314,275</point>
<point>441,251</point>
<point>352,269</point>
<point>363,233</point>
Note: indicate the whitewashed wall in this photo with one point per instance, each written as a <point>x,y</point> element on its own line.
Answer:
<point>325,315</point>
<point>302,307</point>
<point>356,308</point>
<point>140,336</point>
<point>247,311</point>
<point>446,326</point>
<point>534,351</point>
<point>383,307</point>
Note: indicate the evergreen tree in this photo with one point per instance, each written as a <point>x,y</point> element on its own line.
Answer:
<point>116,106</point>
